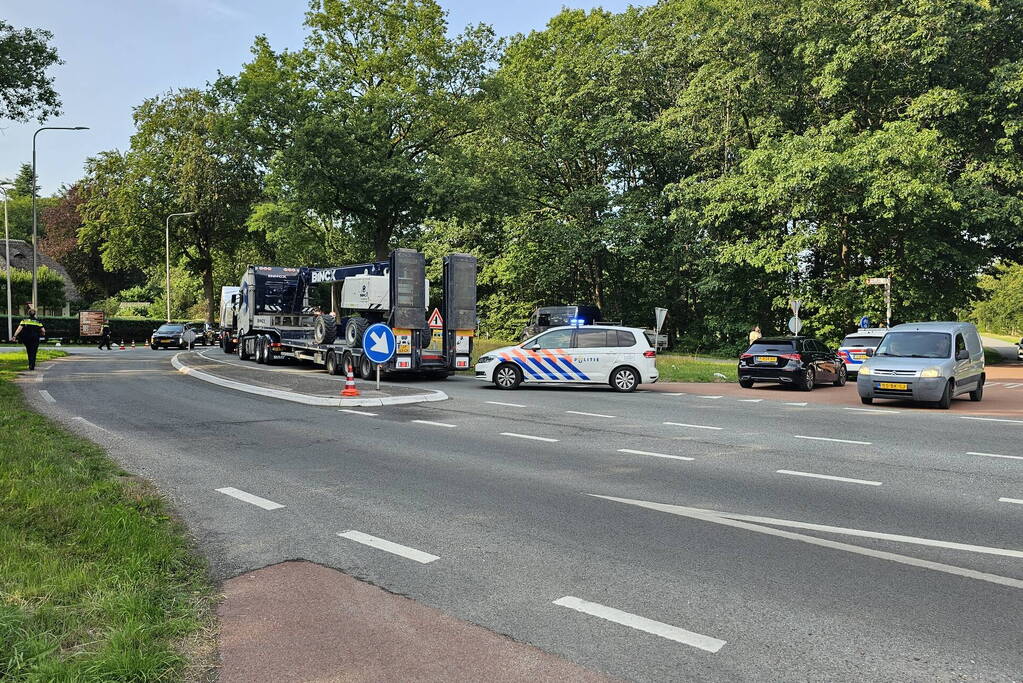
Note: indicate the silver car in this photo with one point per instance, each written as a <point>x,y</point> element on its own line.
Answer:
<point>925,362</point>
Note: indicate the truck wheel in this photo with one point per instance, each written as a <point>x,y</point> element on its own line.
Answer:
<point>325,329</point>
<point>260,346</point>
<point>507,376</point>
<point>242,353</point>
<point>268,352</point>
<point>332,365</point>
<point>354,330</point>
<point>366,370</point>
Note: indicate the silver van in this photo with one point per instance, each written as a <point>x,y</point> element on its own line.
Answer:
<point>925,362</point>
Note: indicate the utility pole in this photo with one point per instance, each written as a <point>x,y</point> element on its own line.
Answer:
<point>7,260</point>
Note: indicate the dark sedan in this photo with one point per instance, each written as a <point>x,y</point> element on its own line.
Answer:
<point>796,361</point>
<point>168,336</point>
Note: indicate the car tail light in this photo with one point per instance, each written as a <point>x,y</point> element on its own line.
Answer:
<point>790,356</point>
<point>650,354</point>
<point>746,355</point>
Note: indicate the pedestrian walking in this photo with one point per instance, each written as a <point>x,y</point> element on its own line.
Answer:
<point>30,332</point>
<point>754,334</point>
<point>105,338</point>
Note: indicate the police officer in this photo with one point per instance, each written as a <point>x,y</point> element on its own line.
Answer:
<point>105,338</point>
<point>29,332</point>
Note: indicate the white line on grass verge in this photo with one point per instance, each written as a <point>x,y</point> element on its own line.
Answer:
<point>46,396</point>
<point>388,546</point>
<point>577,412</point>
<point>249,498</point>
<point>828,476</point>
<point>528,436</point>
<point>683,424</point>
<point>657,628</point>
<point>655,455</point>
<point>510,405</point>
<point>435,424</point>
<point>356,412</point>
<point>996,455</point>
<point>825,438</point>
<point>1018,501</point>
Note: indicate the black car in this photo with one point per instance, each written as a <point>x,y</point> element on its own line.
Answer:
<point>798,361</point>
<point>168,335</point>
<point>204,333</point>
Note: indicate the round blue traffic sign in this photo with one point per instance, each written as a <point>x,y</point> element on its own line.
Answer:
<point>378,343</point>
<point>864,322</point>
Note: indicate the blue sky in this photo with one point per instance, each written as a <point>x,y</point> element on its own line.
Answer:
<point>117,53</point>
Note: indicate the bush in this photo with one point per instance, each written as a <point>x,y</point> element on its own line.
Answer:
<point>66,329</point>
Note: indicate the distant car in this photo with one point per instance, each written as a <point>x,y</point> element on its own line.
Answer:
<point>932,361</point>
<point>619,356</point>
<point>795,361</point>
<point>858,347</point>
<point>168,335</point>
<point>204,333</point>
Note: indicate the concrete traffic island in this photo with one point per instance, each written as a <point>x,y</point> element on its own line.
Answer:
<point>298,384</point>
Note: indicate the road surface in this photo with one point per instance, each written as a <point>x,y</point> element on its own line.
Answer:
<point>648,536</point>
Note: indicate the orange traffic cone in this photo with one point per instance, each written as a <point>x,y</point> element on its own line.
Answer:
<point>132,344</point>
<point>349,389</point>
<point>122,345</point>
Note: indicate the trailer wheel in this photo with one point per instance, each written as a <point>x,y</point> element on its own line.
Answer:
<point>366,367</point>
<point>325,329</point>
<point>332,365</point>
<point>354,330</point>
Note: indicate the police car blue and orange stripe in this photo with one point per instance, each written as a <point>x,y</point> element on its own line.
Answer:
<point>547,364</point>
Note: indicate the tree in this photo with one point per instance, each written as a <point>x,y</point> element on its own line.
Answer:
<point>1001,309</point>
<point>183,157</point>
<point>350,126</point>
<point>23,182</point>
<point>25,89</point>
<point>50,287</point>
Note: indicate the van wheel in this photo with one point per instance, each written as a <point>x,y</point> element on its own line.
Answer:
<point>624,380</point>
<point>867,400</point>
<point>507,376</point>
<point>978,393</point>
<point>809,380</point>
<point>946,397</point>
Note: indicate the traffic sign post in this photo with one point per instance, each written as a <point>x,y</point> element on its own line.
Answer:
<point>795,325</point>
<point>887,282</point>
<point>379,345</point>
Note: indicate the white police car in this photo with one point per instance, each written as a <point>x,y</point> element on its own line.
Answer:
<point>591,354</point>
<point>858,347</point>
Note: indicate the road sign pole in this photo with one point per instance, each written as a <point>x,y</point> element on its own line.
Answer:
<point>888,302</point>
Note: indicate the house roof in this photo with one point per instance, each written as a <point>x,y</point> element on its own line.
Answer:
<point>21,258</point>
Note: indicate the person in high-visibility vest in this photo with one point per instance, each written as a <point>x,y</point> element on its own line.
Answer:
<point>30,331</point>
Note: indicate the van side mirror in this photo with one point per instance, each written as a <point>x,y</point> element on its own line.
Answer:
<point>963,354</point>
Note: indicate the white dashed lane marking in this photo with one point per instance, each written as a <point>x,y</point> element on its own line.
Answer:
<point>1018,501</point>
<point>683,424</point>
<point>435,424</point>
<point>357,412</point>
<point>654,455</point>
<point>801,405</point>
<point>830,477</point>
<point>528,436</point>
<point>576,412</point>
<point>990,419</point>
<point>657,628</point>
<point>996,455</point>
<point>91,424</point>
<point>249,498</point>
<point>46,396</point>
<point>509,405</point>
<point>826,438</point>
<point>388,546</point>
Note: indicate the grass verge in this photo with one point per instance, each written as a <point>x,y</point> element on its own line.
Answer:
<point>991,357</point>
<point>1003,337</point>
<point>673,367</point>
<point>97,581</point>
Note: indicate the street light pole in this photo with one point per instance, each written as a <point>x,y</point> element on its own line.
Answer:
<point>35,240</point>
<point>7,262</point>
<point>187,213</point>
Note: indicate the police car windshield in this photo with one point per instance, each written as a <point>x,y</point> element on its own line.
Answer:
<point>916,345</point>
<point>167,329</point>
<point>864,342</point>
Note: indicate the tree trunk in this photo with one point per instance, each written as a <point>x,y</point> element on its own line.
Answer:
<point>207,288</point>
<point>382,238</point>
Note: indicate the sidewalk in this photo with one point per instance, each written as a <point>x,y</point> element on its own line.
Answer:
<point>295,383</point>
<point>300,621</point>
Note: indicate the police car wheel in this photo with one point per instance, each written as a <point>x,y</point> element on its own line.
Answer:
<point>624,380</point>
<point>507,376</point>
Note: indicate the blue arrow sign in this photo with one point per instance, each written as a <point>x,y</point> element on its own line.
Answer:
<point>864,322</point>
<point>378,343</point>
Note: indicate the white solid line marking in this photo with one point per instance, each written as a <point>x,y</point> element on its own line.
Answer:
<point>356,412</point>
<point>91,424</point>
<point>750,400</point>
<point>656,455</point>
<point>678,394</point>
<point>510,405</point>
<point>388,546</point>
<point>710,397</point>
<point>528,436</point>
<point>874,410</point>
<point>249,498</point>
<point>46,395</point>
<point>991,419</point>
<point>824,438</point>
<point>1008,386</point>
<point>1018,501</point>
<point>725,519</point>
<point>657,628</point>
<point>991,384</point>
<point>797,404</point>
<point>996,455</point>
<point>576,412</point>
<point>828,476</point>
<point>434,424</point>
<point>683,424</point>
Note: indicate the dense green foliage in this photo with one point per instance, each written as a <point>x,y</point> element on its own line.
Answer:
<point>49,285</point>
<point>1001,310</point>
<point>25,89</point>
<point>715,157</point>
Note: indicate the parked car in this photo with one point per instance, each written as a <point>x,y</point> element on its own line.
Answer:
<point>858,347</point>
<point>796,361</point>
<point>204,333</point>
<point>168,335</point>
<point>619,356</point>
<point>925,362</point>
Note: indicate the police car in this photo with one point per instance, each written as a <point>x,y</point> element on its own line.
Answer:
<point>858,347</point>
<point>588,354</point>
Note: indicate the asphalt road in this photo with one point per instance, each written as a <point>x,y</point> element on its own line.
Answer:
<point>584,542</point>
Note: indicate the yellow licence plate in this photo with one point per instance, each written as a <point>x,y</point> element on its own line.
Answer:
<point>766,359</point>
<point>893,385</point>
<point>859,356</point>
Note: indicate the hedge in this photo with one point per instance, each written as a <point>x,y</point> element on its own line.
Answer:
<point>66,329</point>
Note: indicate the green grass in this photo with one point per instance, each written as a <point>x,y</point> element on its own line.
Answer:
<point>97,581</point>
<point>673,367</point>
<point>991,356</point>
<point>1003,337</point>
